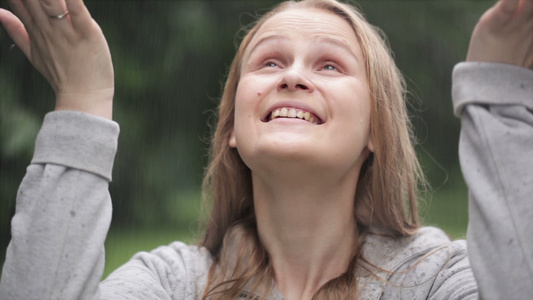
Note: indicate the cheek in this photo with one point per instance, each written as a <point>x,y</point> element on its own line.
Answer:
<point>244,108</point>
<point>251,92</point>
<point>353,101</point>
<point>244,96</point>
<point>355,114</point>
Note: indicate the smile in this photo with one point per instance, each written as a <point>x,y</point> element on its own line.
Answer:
<point>288,112</point>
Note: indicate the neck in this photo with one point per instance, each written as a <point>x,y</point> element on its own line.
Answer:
<point>306,223</point>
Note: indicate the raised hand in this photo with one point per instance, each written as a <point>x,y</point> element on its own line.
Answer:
<point>68,48</point>
<point>504,34</point>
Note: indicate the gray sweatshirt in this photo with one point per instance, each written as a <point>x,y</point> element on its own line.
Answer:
<point>63,214</point>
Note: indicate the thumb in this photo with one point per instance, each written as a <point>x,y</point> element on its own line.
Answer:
<point>16,30</point>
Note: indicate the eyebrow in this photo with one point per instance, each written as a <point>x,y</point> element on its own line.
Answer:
<point>339,42</point>
<point>267,39</point>
<point>319,39</point>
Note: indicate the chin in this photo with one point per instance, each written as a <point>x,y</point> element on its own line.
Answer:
<point>283,155</point>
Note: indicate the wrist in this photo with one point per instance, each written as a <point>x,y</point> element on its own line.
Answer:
<point>99,102</point>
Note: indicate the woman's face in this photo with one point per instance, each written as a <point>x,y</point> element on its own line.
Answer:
<point>303,95</point>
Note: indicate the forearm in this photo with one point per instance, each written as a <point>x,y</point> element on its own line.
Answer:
<point>63,212</point>
<point>495,103</point>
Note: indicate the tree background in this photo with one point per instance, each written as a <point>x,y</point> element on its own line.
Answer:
<point>170,61</point>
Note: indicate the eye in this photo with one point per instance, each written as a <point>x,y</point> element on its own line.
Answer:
<point>329,67</point>
<point>270,64</point>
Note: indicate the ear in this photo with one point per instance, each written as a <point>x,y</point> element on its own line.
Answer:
<point>232,141</point>
<point>370,144</point>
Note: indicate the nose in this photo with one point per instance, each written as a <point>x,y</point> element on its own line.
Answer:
<point>294,80</point>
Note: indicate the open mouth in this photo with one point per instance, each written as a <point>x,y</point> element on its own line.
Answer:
<point>293,113</point>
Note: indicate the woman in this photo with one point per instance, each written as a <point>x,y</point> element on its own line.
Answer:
<point>311,165</point>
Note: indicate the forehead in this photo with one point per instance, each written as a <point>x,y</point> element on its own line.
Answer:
<point>310,24</point>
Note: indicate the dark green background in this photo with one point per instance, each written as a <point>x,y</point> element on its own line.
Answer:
<point>170,60</point>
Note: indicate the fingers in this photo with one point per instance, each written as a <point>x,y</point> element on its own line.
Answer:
<point>80,16</point>
<point>16,31</point>
<point>41,11</point>
<point>509,6</point>
<point>513,8</point>
<point>20,10</point>
<point>528,7</point>
<point>40,14</point>
<point>504,34</point>
<point>507,12</point>
<point>51,8</point>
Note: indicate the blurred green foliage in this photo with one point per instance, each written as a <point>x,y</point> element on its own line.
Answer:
<point>170,59</point>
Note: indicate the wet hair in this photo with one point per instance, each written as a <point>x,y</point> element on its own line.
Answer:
<point>386,192</point>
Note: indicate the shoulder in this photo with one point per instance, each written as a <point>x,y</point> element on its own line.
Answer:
<point>180,256</point>
<point>178,271</point>
<point>427,264</point>
<point>387,252</point>
<point>185,265</point>
<point>179,250</point>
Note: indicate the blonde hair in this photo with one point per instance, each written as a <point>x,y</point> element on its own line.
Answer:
<point>386,192</point>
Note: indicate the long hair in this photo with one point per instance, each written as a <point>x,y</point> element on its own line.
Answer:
<point>386,193</point>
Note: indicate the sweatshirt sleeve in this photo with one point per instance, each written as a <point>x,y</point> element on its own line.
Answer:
<point>495,104</point>
<point>63,211</point>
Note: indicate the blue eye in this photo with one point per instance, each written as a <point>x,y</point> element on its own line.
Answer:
<point>271,64</point>
<point>329,68</point>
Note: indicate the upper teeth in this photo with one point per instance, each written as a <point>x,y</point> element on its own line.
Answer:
<point>286,112</point>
